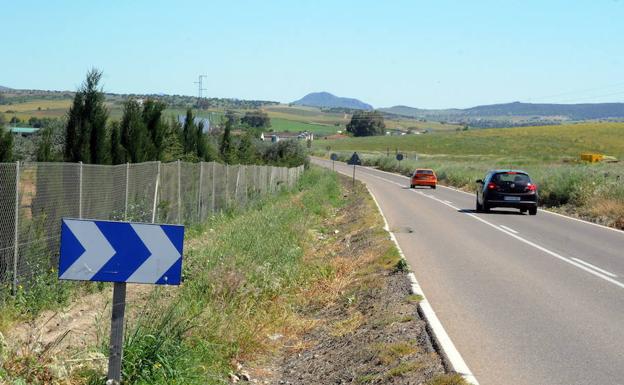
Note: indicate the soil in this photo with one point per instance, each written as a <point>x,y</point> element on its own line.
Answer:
<point>372,333</point>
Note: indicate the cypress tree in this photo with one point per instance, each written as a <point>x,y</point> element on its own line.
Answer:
<point>86,124</point>
<point>118,153</point>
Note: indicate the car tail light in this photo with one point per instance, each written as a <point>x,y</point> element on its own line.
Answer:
<point>531,187</point>
<point>491,186</point>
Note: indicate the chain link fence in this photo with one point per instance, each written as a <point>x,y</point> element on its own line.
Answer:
<point>35,196</point>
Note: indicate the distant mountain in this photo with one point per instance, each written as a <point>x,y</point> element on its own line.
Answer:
<point>517,109</point>
<point>4,89</point>
<point>327,100</point>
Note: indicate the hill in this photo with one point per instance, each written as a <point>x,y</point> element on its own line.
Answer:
<point>327,100</point>
<point>584,111</point>
<point>5,89</point>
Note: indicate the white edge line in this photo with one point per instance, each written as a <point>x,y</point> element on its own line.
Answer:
<point>542,210</point>
<point>595,267</point>
<point>442,339</point>
<point>509,229</point>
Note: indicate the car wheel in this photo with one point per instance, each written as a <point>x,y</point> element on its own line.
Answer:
<point>433,187</point>
<point>523,211</point>
<point>412,186</point>
<point>533,211</point>
<point>479,207</point>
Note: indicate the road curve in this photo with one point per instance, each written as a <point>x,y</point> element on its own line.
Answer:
<point>527,300</point>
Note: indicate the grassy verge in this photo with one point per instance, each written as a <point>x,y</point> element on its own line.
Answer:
<point>242,273</point>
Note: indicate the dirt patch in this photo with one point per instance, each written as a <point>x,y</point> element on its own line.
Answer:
<point>370,331</point>
<point>64,340</point>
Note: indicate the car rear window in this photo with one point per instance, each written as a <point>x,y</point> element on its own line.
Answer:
<point>428,172</point>
<point>515,177</point>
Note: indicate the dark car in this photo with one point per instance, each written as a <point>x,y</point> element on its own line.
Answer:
<point>507,188</point>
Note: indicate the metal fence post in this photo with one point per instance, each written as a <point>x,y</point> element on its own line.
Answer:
<point>156,193</point>
<point>80,193</point>
<point>199,191</point>
<point>237,181</point>
<point>179,192</point>
<point>126,201</point>
<point>16,229</point>
<point>213,187</point>
<point>227,200</point>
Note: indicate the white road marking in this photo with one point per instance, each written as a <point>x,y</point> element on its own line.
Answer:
<point>509,229</point>
<point>542,210</point>
<point>439,333</point>
<point>448,201</point>
<point>521,239</point>
<point>595,267</point>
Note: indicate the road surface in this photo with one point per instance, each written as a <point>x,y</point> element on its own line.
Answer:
<point>527,300</point>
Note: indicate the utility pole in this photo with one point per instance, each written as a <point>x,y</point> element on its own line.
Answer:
<point>200,88</point>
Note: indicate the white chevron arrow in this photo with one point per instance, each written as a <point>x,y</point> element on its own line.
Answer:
<point>163,254</point>
<point>97,250</point>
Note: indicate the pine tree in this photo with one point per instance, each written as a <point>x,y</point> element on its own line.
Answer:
<point>189,133</point>
<point>156,127</point>
<point>86,123</point>
<point>6,145</point>
<point>134,136</point>
<point>118,152</point>
<point>226,146</point>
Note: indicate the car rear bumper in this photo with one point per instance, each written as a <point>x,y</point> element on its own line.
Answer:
<point>516,204</point>
<point>424,182</point>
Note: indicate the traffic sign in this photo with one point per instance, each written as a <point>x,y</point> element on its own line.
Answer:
<point>109,251</point>
<point>355,160</point>
<point>399,157</point>
<point>333,156</point>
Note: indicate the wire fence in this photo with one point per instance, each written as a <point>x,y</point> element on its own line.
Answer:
<point>35,196</point>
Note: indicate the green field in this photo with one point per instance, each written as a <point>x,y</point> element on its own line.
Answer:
<point>550,154</point>
<point>542,142</point>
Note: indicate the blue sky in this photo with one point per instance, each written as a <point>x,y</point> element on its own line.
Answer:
<point>428,54</point>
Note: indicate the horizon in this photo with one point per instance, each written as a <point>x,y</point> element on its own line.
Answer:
<point>429,56</point>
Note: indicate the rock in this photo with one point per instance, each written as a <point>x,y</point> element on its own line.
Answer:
<point>275,337</point>
<point>233,378</point>
<point>336,231</point>
<point>244,375</point>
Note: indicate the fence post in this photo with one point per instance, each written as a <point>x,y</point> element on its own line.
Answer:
<point>199,192</point>
<point>80,193</point>
<point>156,193</point>
<point>237,181</point>
<point>227,200</point>
<point>126,201</point>
<point>16,229</point>
<point>213,187</point>
<point>179,192</point>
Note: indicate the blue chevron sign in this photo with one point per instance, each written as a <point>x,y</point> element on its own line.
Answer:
<point>108,251</point>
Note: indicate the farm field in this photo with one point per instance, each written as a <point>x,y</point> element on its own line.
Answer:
<point>539,142</point>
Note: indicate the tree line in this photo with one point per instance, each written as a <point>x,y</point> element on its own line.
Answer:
<point>144,133</point>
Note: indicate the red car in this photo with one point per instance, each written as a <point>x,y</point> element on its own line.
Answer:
<point>424,177</point>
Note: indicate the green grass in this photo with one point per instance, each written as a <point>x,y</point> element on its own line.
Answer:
<point>242,273</point>
<point>540,142</point>
<point>281,125</point>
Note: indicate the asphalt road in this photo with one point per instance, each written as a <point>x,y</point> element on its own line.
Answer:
<point>532,300</point>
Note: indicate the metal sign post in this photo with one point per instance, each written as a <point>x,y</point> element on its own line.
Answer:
<point>120,252</point>
<point>115,353</point>
<point>333,158</point>
<point>355,161</point>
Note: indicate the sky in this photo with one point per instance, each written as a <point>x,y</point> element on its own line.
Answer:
<point>425,54</point>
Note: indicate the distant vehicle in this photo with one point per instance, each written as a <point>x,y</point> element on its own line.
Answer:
<point>424,177</point>
<point>507,188</point>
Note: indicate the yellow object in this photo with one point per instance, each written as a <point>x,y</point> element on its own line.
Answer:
<point>592,158</point>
